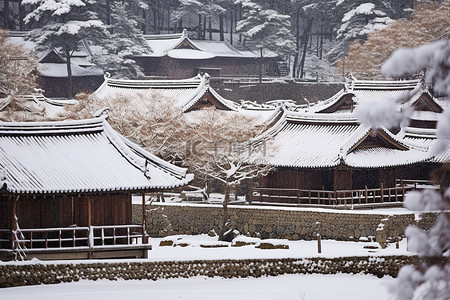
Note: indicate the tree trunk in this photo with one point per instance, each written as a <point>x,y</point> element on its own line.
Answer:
<point>222,37</point>
<point>6,14</point>
<point>69,75</point>
<point>321,39</point>
<point>168,19</point>
<point>297,43</point>
<point>108,12</point>
<point>210,29</point>
<point>305,46</point>
<point>155,21</point>
<point>260,65</point>
<point>199,31</point>
<point>204,28</point>
<point>231,28</point>
<point>225,211</point>
<point>21,16</point>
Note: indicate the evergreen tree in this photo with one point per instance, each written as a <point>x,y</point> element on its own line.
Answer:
<point>67,22</point>
<point>125,41</point>
<point>266,28</point>
<point>358,18</point>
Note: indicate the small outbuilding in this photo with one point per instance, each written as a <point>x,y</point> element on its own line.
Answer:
<point>66,190</point>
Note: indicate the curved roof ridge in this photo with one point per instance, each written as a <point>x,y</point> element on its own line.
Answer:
<point>151,83</point>
<point>203,88</point>
<point>320,117</point>
<point>66,126</point>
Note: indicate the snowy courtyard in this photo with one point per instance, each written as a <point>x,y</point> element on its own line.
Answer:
<point>287,287</point>
<point>187,248</point>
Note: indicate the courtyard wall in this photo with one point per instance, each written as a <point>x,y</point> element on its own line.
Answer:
<point>277,222</point>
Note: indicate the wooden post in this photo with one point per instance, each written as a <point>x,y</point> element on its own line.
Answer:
<point>309,196</point>
<point>144,220</point>
<point>13,223</point>
<point>403,191</point>
<point>382,192</point>
<point>250,191</point>
<point>319,243</point>
<point>90,232</point>
<point>365,187</point>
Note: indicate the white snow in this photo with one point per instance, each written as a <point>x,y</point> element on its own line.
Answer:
<point>286,287</point>
<point>297,249</point>
<point>363,9</point>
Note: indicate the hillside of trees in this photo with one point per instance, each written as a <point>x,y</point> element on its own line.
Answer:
<point>313,36</point>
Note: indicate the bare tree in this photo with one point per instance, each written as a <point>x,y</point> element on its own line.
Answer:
<point>220,149</point>
<point>151,120</point>
<point>17,78</point>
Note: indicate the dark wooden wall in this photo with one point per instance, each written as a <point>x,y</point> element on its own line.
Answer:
<point>299,178</point>
<point>181,69</point>
<point>343,178</point>
<point>65,210</point>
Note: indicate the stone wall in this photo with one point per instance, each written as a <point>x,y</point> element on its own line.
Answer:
<point>282,223</point>
<point>37,273</point>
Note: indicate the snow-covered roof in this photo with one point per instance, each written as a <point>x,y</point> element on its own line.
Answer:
<point>359,91</point>
<point>60,70</point>
<point>79,156</point>
<point>180,46</point>
<point>312,140</point>
<point>51,107</point>
<point>185,92</point>
<point>52,64</point>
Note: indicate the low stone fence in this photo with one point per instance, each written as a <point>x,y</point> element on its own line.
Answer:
<point>279,223</point>
<point>37,273</point>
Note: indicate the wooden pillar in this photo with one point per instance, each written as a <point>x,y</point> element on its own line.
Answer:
<point>13,221</point>
<point>89,211</point>
<point>382,193</point>
<point>250,191</point>
<point>90,233</point>
<point>144,220</point>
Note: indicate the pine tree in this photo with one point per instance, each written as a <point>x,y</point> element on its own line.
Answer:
<point>67,22</point>
<point>125,41</point>
<point>266,29</point>
<point>358,18</point>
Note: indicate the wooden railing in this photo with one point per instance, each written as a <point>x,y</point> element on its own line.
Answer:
<point>331,198</point>
<point>71,237</point>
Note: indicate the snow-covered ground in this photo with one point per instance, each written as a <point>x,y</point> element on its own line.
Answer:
<point>297,249</point>
<point>299,287</point>
<point>286,287</point>
<point>192,250</point>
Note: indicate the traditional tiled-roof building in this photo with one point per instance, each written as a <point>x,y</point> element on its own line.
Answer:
<point>65,189</point>
<point>324,150</point>
<point>177,56</point>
